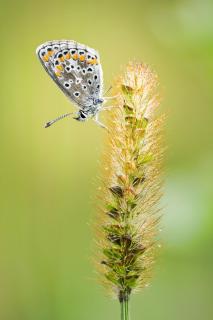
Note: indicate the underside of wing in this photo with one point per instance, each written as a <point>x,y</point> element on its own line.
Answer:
<point>75,68</point>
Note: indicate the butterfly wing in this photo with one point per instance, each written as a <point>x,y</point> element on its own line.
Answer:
<point>75,68</point>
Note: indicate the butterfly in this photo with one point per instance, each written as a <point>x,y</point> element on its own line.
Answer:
<point>77,71</point>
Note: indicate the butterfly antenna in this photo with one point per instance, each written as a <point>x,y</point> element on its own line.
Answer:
<point>49,123</point>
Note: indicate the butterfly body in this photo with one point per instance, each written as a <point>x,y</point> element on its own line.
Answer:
<point>90,111</point>
<point>76,70</point>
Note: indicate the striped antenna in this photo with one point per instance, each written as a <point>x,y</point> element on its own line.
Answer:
<point>49,123</point>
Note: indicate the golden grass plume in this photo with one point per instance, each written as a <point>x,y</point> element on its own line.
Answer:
<point>129,196</point>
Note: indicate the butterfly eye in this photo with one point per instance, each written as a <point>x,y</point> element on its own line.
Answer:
<point>82,115</point>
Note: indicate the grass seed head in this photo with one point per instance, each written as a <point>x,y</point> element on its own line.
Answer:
<point>131,185</point>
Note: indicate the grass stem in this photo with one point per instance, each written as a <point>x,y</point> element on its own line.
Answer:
<point>124,310</point>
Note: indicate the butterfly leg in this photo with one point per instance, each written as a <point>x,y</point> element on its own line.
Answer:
<point>98,122</point>
<point>107,108</point>
<point>110,98</point>
<point>106,99</point>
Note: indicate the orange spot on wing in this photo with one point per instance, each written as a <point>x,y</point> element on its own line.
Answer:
<point>59,67</point>
<point>50,53</point>
<point>93,61</point>
<point>58,74</point>
<point>45,58</point>
<point>68,56</point>
<point>82,58</point>
<point>75,56</point>
<point>61,59</point>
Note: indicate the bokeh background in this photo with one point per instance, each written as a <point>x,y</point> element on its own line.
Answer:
<point>48,177</point>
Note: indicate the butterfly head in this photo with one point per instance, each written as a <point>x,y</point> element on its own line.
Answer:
<point>90,111</point>
<point>97,101</point>
<point>81,116</point>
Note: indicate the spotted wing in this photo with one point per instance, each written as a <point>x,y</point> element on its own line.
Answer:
<point>75,68</point>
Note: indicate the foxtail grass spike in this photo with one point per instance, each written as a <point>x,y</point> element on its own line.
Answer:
<point>127,223</point>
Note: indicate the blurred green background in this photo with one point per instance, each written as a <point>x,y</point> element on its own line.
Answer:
<point>48,177</point>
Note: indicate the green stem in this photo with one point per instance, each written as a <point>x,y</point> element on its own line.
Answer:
<point>125,309</point>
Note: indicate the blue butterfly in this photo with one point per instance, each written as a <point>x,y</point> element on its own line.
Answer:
<point>76,69</point>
